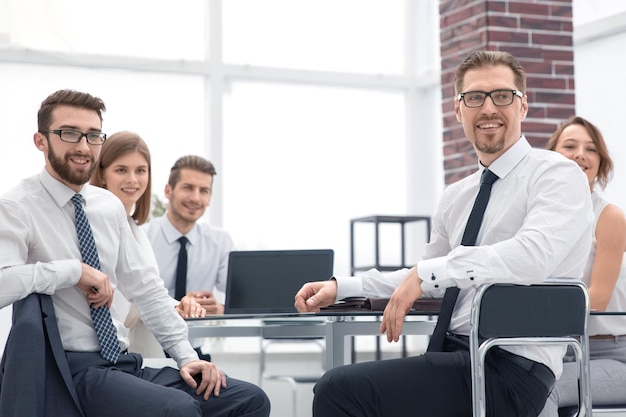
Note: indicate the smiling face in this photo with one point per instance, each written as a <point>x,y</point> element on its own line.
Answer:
<point>576,143</point>
<point>127,177</point>
<point>491,129</point>
<point>189,198</point>
<point>70,163</point>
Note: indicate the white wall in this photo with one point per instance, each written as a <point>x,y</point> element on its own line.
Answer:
<point>600,86</point>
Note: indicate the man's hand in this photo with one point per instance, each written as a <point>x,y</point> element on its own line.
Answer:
<point>207,300</point>
<point>400,304</point>
<point>190,308</point>
<point>97,286</point>
<point>205,376</point>
<point>314,295</point>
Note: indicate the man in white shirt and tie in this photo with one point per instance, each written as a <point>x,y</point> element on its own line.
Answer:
<point>192,255</point>
<point>536,225</point>
<point>40,253</point>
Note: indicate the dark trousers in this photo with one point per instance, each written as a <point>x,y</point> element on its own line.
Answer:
<point>435,384</point>
<point>125,389</point>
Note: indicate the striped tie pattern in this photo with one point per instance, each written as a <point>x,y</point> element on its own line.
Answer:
<point>105,330</point>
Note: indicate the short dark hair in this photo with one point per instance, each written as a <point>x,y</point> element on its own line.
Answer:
<point>480,59</point>
<point>194,162</point>
<point>67,98</point>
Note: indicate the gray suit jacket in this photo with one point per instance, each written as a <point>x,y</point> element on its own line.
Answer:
<point>35,380</point>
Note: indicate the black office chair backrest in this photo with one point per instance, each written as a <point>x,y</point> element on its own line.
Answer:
<point>550,313</point>
<point>535,310</point>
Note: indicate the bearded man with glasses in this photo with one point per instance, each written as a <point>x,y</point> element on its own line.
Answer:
<point>66,246</point>
<point>536,225</point>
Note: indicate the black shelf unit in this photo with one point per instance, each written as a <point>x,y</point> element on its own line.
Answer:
<point>377,220</point>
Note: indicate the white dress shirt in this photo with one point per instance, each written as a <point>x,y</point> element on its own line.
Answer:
<point>39,252</point>
<point>207,251</point>
<point>537,225</point>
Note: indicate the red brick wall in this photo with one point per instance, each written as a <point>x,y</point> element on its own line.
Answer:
<point>539,34</point>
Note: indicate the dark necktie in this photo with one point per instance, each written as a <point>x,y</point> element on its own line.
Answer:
<point>469,239</point>
<point>105,330</point>
<point>181,269</point>
<point>476,216</point>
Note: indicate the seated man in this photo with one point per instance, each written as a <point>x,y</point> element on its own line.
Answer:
<point>536,225</point>
<point>71,240</point>
<point>205,248</point>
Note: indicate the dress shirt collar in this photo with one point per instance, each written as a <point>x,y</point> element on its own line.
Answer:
<point>172,234</point>
<point>59,192</point>
<point>509,160</point>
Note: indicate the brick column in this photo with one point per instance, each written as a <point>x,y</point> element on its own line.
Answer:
<point>538,34</point>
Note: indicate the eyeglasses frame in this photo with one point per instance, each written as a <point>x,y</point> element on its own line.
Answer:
<point>461,97</point>
<point>103,136</point>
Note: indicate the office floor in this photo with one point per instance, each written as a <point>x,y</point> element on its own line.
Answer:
<point>246,366</point>
<point>243,363</point>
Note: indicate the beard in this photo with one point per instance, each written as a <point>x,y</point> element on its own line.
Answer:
<point>62,167</point>
<point>489,146</point>
<point>488,143</point>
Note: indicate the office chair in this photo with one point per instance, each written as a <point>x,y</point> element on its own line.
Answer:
<point>550,313</point>
<point>601,411</point>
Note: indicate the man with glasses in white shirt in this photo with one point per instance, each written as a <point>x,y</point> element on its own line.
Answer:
<point>536,225</point>
<point>41,251</point>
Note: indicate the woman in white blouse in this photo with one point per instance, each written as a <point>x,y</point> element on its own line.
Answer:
<point>124,169</point>
<point>605,274</point>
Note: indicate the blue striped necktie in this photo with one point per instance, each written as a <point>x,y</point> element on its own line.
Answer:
<point>105,330</point>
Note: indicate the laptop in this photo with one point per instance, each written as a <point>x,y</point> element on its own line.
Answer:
<point>264,283</point>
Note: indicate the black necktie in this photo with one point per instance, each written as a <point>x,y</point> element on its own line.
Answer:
<point>181,269</point>
<point>476,216</point>
<point>469,239</point>
<point>105,330</point>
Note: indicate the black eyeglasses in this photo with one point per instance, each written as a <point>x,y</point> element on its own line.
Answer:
<point>474,99</point>
<point>74,136</point>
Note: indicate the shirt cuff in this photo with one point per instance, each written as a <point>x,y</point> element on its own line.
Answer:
<point>183,353</point>
<point>66,272</point>
<point>348,286</point>
<point>434,274</point>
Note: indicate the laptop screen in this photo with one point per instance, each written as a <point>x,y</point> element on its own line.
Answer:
<point>265,282</point>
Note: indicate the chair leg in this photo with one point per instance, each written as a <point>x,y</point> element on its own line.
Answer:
<point>294,390</point>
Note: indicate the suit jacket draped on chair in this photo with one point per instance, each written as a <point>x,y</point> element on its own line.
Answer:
<point>35,379</point>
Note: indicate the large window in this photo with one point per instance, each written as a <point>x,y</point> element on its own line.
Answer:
<point>330,35</point>
<point>147,103</point>
<point>302,160</point>
<point>140,28</point>
<point>309,109</point>
<point>314,112</point>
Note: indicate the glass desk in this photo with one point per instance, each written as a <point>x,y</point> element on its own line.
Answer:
<point>334,327</point>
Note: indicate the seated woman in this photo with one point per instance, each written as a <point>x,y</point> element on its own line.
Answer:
<point>605,275</point>
<point>125,170</point>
